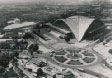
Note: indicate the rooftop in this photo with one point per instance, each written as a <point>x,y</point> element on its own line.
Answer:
<point>19,25</point>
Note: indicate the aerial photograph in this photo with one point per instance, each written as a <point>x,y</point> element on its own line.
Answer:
<point>55,38</point>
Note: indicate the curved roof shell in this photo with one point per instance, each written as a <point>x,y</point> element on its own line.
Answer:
<point>78,25</point>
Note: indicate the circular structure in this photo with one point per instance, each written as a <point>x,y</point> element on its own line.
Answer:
<point>76,57</point>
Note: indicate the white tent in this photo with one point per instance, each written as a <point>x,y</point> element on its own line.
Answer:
<point>78,25</point>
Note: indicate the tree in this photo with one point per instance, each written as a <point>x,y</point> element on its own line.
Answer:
<point>2,69</point>
<point>23,44</point>
<point>33,47</point>
<point>5,58</point>
<point>54,76</point>
<point>16,54</point>
<point>42,64</point>
<point>67,38</point>
<point>30,49</point>
<point>28,35</point>
<point>40,72</point>
<point>16,44</point>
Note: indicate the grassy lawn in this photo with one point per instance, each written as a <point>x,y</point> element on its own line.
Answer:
<point>88,60</point>
<point>87,53</point>
<point>75,62</point>
<point>61,53</point>
<point>60,59</point>
<point>77,50</point>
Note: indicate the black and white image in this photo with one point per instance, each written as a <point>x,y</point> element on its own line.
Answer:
<point>55,38</point>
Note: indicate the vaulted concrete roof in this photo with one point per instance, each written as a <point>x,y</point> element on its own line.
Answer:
<point>77,24</point>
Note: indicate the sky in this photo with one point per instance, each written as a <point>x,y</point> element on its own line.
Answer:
<point>47,1</point>
<point>37,1</point>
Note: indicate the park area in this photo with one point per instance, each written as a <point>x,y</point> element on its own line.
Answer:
<point>75,57</point>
